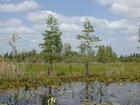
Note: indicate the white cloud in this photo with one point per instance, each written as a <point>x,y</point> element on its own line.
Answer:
<point>130,43</point>
<point>69,27</point>
<point>73,23</point>
<point>134,3</point>
<point>37,16</point>
<point>127,8</point>
<point>39,27</point>
<point>40,16</point>
<point>20,7</point>
<point>132,39</point>
<point>13,22</point>
<point>112,25</point>
<point>19,30</point>
<point>123,26</point>
<point>119,8</point>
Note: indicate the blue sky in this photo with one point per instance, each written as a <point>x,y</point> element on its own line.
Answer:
<point>116,22</point>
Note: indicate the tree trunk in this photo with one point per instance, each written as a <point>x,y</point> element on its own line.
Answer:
<point>86,90</point>
<point>86,67</point>
<point>50,71</point>
<point>50,92</point>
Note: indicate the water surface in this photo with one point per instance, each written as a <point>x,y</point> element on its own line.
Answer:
<point>77,93</point>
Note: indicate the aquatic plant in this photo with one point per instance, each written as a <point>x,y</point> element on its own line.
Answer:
<point>51,101</point>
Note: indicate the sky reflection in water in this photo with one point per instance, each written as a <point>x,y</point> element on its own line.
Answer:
<point>76,93</point>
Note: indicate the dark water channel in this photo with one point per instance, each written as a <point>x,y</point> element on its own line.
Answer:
<point>77,93</point>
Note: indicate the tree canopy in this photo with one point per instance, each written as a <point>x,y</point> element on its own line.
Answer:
<point>105,54</point>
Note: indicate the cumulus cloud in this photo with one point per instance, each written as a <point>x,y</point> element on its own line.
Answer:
<point>13,22</point>
<point>130,42</point>
<point>116,8</point>
<point>39,27</point>
<point>37,16</point>
<point>134,3</point>
<point>123,25</point>
<point>125,10</point>
<point>15,25</point>
<point>129,9</point>
<point>19,30</point>
<point>40,16</point>
<point>20,7</point>
<point>66,27</point>
<point>132,39</point>
<point>75,23</point>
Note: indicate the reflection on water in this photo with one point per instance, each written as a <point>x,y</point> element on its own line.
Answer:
<point>76,93</point>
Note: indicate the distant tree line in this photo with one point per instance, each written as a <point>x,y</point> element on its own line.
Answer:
<point>135,57</point>
<point>31,56</point>
<point>104,54</point>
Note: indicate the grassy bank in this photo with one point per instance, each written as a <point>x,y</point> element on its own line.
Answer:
<point>18,75</point>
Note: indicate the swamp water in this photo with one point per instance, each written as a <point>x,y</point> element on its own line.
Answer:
<point>77,93</point>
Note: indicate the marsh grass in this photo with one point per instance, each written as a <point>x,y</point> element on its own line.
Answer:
<point>7,70</point>
<point>36,74</point>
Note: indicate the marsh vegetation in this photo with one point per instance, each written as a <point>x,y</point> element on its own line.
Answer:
<point>36,74</point>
